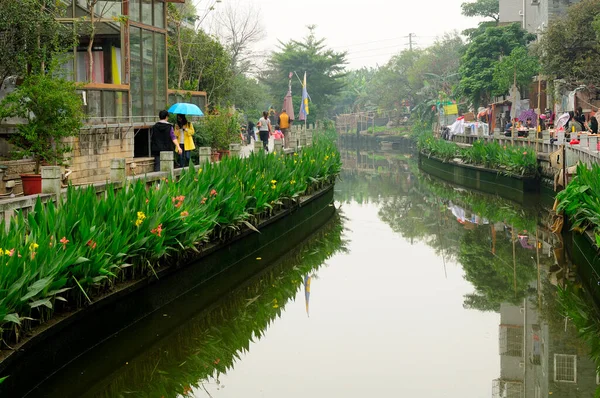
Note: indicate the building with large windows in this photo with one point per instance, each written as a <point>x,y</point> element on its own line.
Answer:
<point>124,82</point>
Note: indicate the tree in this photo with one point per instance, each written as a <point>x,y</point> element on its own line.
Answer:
<point>53,110</point>
<point>519,66</point>
<point>570,47</point>
<point>30,36</point>
<point>324,68</point>
<point>481,56</point>
<point>482,8</point>
<point>240,27</point>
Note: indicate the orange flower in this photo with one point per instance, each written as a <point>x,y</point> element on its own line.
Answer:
<point>213,193</point>
<point>11,253</point>
<point>524,153</point>
<point>203,201</point>
<point>184,214</point>
<point>64,241</point>
<point>91,244</point>
<point>157,231</point>
<point>217,361</point>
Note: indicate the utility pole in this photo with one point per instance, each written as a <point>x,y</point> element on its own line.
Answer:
<point>410,41</point>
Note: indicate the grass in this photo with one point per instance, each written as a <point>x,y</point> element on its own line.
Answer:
<point>509,159</point>
<point>64,255</point>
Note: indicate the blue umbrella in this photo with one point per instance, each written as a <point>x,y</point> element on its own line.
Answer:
<point>186,109</point>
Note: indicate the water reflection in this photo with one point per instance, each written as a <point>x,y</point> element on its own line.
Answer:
<point>430,290</point>
<point>191,359</point>
<point>513,261</point>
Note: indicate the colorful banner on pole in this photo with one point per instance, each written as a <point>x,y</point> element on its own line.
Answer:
<point>304,112</point>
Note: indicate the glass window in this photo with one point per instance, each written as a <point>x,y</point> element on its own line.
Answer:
<point>147,12</point>
<point>135,48</point>
<point>148,72</point>
<point>160,64</point>
<point>107,56</point>
<point>122,106</point>
<point>159,14</point>
<point>134,10</point>
<point>108,106</point>
<point>105,9</point>
<point>94,105</point>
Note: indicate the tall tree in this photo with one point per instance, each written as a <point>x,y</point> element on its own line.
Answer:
<point>30,36</point>
<point>239,27</point>
<point>481,56</point>
<point>519,66</point>
<point>324,67</point>
<point>570,47</point>
<point>482,8</point>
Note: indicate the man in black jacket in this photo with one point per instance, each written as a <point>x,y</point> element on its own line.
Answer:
<point>162,138</point>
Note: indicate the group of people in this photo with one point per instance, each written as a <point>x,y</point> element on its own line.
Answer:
<point>266,129</point>
<point>577,122</point>
<point>165,137</point>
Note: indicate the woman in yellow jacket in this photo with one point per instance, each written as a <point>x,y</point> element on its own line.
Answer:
<point>184,131</point>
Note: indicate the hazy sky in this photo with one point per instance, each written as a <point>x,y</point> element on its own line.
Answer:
<point>371,31</point>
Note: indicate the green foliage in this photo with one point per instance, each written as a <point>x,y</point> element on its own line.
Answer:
<point>519,62</point>
<point>324,73</point>
<point>482,8</point>
<point>53,110</point>
<point>507,159</point>
<point>569,47</point>
<point>31,35</point>
<point>478,64</point>
<point>580,200</point>
<point>220,129</point>
<point>86,244</point>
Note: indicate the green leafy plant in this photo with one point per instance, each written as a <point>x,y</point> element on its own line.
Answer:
<point>509,159</point>
<point>53,111</point>
<point>220,129</point>
<point>82,247</point>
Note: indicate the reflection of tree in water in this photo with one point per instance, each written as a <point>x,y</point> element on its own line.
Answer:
<point>212,341</point>
<point>494,275</point>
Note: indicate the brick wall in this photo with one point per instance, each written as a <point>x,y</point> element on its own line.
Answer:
<point>93,150</point>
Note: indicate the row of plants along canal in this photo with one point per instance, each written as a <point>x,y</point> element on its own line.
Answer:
<point>62,257</point>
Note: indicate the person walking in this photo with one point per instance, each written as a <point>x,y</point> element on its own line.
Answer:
<point>250,132</point>
<point>284,125</point>
<point>264,129</point>
<point>162,138</point>
<point>184,131</point>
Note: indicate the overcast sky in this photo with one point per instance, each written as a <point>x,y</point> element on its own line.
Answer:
<point>371,31</point>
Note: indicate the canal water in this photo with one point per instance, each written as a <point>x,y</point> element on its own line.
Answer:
<point>415,288</point>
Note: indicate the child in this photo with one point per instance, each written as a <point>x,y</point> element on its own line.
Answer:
<point>277,135</point>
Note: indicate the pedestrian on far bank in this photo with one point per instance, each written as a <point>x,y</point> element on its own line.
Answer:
<point>162,139</point>
<point>592,125</point>
<point>264,129</point>
<point>284,124</point>
<point>579,116</point>
<point>184,131</point>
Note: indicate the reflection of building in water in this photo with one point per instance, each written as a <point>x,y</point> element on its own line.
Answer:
<point>539,358</point>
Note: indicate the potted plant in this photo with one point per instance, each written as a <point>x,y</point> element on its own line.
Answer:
<point>52,111</point>
<point>223,129</point>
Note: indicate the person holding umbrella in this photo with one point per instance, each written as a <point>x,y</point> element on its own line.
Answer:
<point>184,131</point>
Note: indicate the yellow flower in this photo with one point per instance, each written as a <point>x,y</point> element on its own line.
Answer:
<point>7,252</point>
<point>295,161</point>
<point>273,187</point>
<point>199,171</point>
<point>326,157</point>
<point>274,153</point>
<point>273,182</point>
<point>295,154</point>
<point>141,215</point>
<point>312,160</point>
<point>33,246</point>
<point>293,182</point>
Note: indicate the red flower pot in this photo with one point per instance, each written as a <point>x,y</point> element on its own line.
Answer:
<point>32,184</point>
